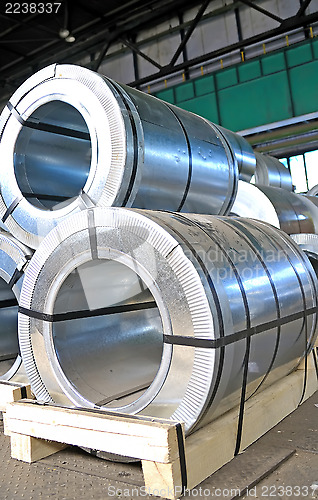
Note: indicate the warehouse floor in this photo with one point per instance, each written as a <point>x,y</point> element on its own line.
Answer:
<point>282,464</point>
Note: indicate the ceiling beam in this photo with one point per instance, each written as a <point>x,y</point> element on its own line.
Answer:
<point>189,32</point>
<point>267,13</point>
<point>288,24</point>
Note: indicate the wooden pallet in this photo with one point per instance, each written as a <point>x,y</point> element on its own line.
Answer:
<point>10,392</point>
<point>38,430</point>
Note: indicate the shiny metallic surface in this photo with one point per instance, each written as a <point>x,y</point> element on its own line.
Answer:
<point>73,139</point>
<point>309,244</point>
<point>271,172</point>
<point>313,191</point>
<point>243,152</point>
<point>13,256</point>
<point>252,203</point>
<point>296,213</point>
<point>161,277</point>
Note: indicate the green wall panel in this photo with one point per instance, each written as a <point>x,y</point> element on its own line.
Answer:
<point>298,55</point>
<point>255,103</point>
<point>273,63</point>
<point>303,82</point>
<point>255,92</point>
<point>249,71</point>
<point>205,106</point>
<point>315,48</point>
<point>166,95</point>
<point>226,78</point>
<point>184,92</point>
<point>204,85</point>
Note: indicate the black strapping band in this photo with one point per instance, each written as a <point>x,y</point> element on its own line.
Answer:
<point>23,392</point>
<point>8,303</point>
<point>11,208</point>
<point>315,360</point>
<point>183,463</point>
<point>15,277</point>
<point>55,318</point>
<point>234,337</point>
<point>15,113</point>
<point>92,233</point>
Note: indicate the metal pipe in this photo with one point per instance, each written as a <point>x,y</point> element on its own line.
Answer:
<point>72,139</point>
<point>271,172</point>
<point>155,312</point>
<point>13,260</point>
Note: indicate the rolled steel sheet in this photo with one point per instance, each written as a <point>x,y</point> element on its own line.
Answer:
<point>271,172</point>
<point>73,139</point>
<point>155,312</point>
<point>14,258</point>
<point>243,152</point>
<point>309,244</point>
<point>313,191</point>
<point>251,202</point>
<point>296,213</point>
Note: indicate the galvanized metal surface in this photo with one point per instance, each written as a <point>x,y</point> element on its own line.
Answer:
<point>153,276</point>
<point>251,202</point>
<point>13,260</point>
<point>71,139</point>
<point>296,213</point>
<point>271,172</point>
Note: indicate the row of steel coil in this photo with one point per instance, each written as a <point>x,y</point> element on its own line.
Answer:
<point>141,270</point>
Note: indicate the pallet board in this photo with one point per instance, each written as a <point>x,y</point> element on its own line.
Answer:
<point>10,392</point>
<point>39,430</point>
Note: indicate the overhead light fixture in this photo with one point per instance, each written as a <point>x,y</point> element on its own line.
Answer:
<point>64,33</point>
<point>70,39</point>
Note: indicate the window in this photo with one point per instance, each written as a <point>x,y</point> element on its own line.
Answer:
<point>311,161</point>
<point>298,173</point>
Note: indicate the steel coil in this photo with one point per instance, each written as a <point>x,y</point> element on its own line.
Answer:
<point>73,139</point>
<point>155,312</point>
<point>296,213</point>
<point>309,244</point>
<point>271,172</point>
<point>14,258</point>
<point>251,202</point>
<point>313,191</point>
<point>243,152</point>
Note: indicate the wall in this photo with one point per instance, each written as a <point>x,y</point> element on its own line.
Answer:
<point>266,89</point>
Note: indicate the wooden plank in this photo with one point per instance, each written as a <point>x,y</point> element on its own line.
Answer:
<point>211,447</point>
<point>29,449</point>
<point>10,392</point>
<point>138,437</point>
<point>152,440</point>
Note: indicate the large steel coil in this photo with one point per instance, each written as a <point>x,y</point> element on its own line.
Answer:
<point>251,202</point>
<point>161,313</point>
<point>313,191</point>
<point>309,244</point>
<point>73,139</point>
<point>14,258</point>
<point>291,212</point>
<point>271,172</point>
<point>243,152</point>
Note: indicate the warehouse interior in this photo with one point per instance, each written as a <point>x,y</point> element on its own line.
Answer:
<point>235,88</point>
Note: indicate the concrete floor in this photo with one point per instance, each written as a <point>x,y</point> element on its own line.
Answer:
<point>282,464</point>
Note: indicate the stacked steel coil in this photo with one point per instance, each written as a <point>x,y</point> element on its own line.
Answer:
<point>165,313</point>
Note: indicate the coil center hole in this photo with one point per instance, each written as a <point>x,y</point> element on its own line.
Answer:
<point>52,155</point>
<point>112,352</point>
<point>8,328</point>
